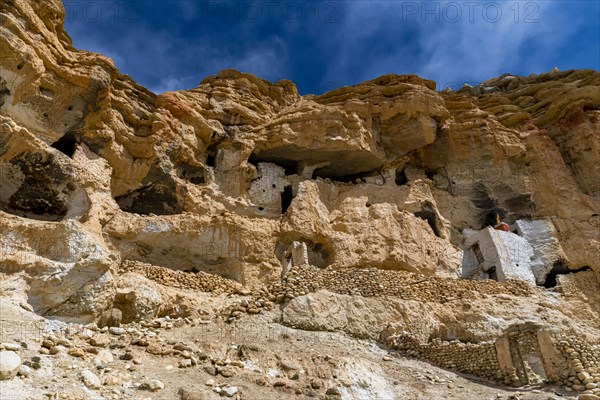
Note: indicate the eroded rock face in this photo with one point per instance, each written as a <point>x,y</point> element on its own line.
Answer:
<point>96,170</point>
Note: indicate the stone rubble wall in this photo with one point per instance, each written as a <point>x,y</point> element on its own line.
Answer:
<point>198,281</point>
<point>478,359</point>
<point>581,372</point>
<point>370,282</point>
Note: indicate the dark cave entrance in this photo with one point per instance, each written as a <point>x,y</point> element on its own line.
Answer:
<point>67,144</point>
<point>157,198</point>
<point>560,268</point>
<point>428,214</point>
<point>210,160</point>
<point>431,217</point>
<point>290,167</point>
<point>351,178</point>
<point>286,198</point>
<point>401,178</point>
<point>43,192</point>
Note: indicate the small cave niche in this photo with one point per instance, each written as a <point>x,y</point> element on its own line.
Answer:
<point>191,173</point>
<point>401,178</point>
<point>158,195</point>
<point>290,167</point>
<point>211,159</point>
<point>559,268</point>
<point>151,199</point>
<point>286,198</point>
<point>317,254</point>
<point>351,178</point>
<point>428,214</point>
<point>40,191</point>
<point>38,200</point>
<point>46,92</point>
<point>430,174</point>
<point>67,144</point>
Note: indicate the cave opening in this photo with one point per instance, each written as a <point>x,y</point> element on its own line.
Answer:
<point>428,214</point>
<point>401,178</point>
<point>290,167</point>
<point>210,160</point>
<point>559,268</point>
<point>39,192</point>
<point>430,174</point>
<point>350,178</point>
<point>67,144</point>
<point>286,198</point>
<point>157,198</point>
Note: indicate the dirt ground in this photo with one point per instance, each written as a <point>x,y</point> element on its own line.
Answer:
<point>257,355</point>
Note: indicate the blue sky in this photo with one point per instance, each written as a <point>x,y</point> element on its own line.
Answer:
<point>321,45</point>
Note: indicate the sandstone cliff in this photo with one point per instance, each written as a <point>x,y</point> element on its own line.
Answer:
<point>100,177</point>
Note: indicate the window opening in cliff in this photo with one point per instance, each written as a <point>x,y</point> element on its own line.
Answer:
<point>492,273</point>
<point>478,253</point>
<point>401,178</point>
<point>210,160</point>
<point>431,218</point>
<point>67,144</point>
<point>428,214</point>
<point>286,198</point>
<point>559,268</point>
<point>290,167</point>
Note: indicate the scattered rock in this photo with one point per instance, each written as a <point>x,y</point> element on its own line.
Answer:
<point>24,371</point>
<point>228,391</point>
<point>116,330</point>
<point>588,397</point>
<point>187,394</point>
<point>76,352</point>
<point>90,379</point>
<point>100,340</point>
<point>9,364</point>
<point>10,346</point>
<point>103,357</point>
<point>227,371</point>
<point>155,385</point>
<point>210,369</point>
